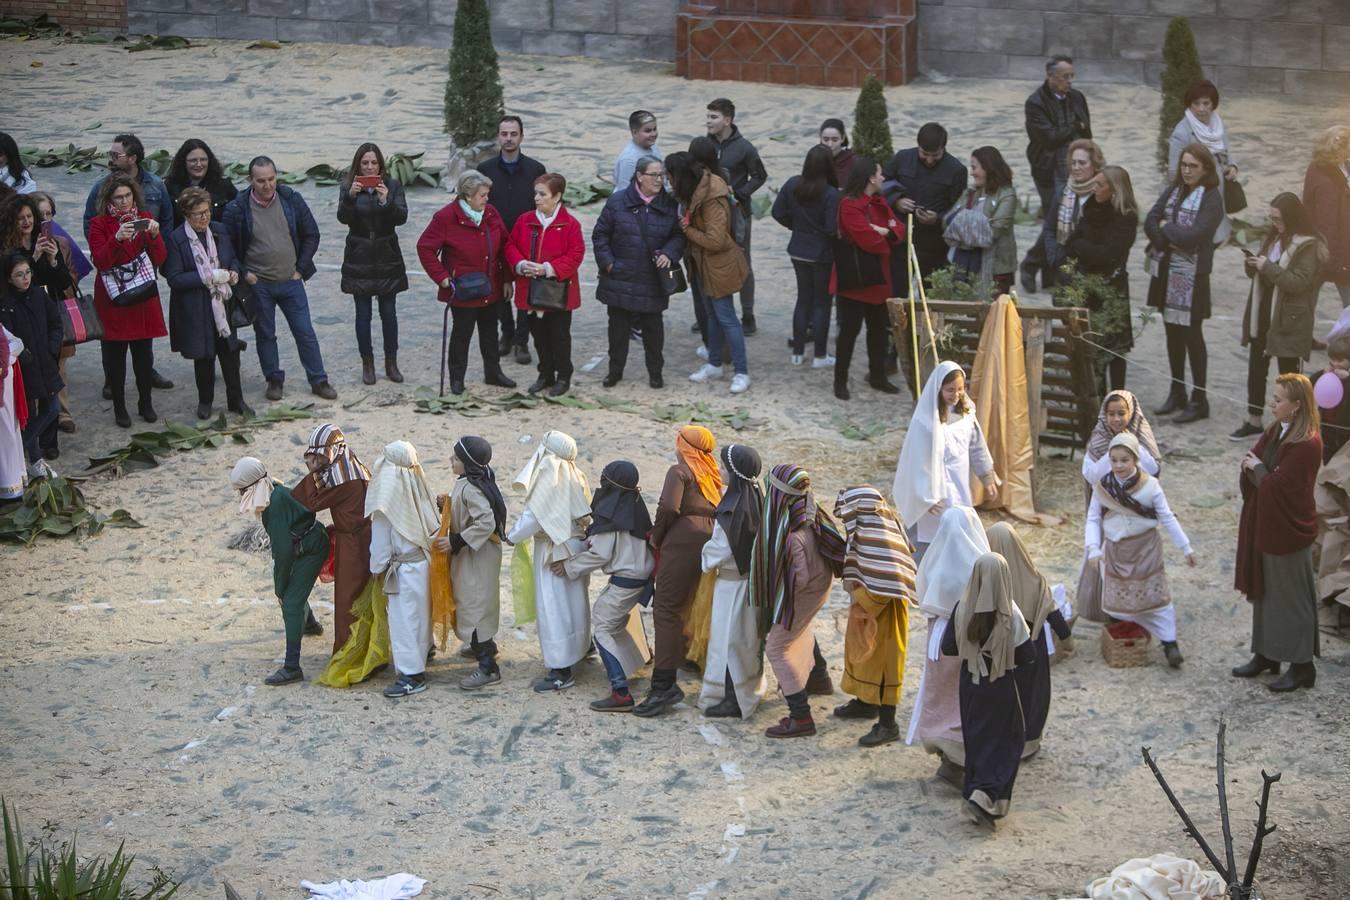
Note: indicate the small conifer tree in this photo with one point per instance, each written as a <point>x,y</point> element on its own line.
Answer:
<point>473,90</point>
<point>871,123</point>
<point>1181,69</point>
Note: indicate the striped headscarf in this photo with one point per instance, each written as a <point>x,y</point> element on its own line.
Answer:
<point>695,446</point>
<point>879,554</point>
<point>788,506</point>
<point>1136,423</point>
<point>329,442</point>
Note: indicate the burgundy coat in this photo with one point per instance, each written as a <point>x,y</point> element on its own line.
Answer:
<point>125,323</point>
<point>453,245</point>
<point>1279,515</point>
<point>560,244</point>
<point>1326,196</point>
<point>857,215</point>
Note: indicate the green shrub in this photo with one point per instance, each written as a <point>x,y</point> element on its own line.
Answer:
<point>473,90</point>
<point>872,123</point>
<point>1181,69</point>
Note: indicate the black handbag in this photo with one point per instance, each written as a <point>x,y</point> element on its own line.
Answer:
<point>1234,197</point>
<point>475,285</point>
<point>545,294</point>
<point>242,307</point>
<point>855,268</point>
<point>671,278</point>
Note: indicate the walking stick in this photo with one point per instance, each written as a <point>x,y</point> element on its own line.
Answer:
<point>445,337</point>
<point>909,284</point>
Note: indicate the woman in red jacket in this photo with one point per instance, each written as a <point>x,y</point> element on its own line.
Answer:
<point>463,250</point>
<point>1275,538</point>
<point>548,247</point>
<point>126,247</point>
<point>862,274</point>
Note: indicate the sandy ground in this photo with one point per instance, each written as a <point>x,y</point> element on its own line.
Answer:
<point>134,706</point>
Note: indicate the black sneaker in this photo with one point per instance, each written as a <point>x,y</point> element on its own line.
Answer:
<point>1245,431</point>
<point>856,709</point>
<point>406,686</point>
<point>880,734</point>
<point>553,680</point>
<point>611,379</point>
<point>284,676</point>
<point>656,382</point>
<point>658,701</point>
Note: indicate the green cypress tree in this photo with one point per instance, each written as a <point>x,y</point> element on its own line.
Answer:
<point>872,123</point>
<point>1181,69</point>
<point>473,91</point>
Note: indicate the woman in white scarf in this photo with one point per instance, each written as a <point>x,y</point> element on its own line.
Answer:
<point>941,582</point>
<point>557,504</point>
<point>1201,124</point>
<point>403,519</point>
<point>299,547</point>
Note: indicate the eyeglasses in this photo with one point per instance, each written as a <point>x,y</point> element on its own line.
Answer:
<point>651,174</point>
<point>200,214</point>
<point>115,156</point>
<point>1191,165</point>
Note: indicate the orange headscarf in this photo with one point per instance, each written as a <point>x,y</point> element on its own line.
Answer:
<point>695,446</point>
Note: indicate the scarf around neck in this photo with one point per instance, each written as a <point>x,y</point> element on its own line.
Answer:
<point>475,215</point>
<point>1211,135</point>
<point>1069,207</point>
<point>740,508</point>
<point>475,453</point>
<point>207,260</point>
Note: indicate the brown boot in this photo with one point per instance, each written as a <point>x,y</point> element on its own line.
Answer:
<point>367,369</point>
<point>391,369</point>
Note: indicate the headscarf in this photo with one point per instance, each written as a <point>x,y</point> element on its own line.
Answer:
<point>879,554</point>
<point>919,473</point>
<point>946,565</point>
<point>1136,423</point>
<point>556,491</point>
<point>990,591</point>
<point>742,505</point>
<point>1030,590</point>
<point>618,504</point>
<point>695,444</point>
<point>343,465</point>
<point>788,506</point>
<point>475,453</point>
<point>398,491</point>
<point>1123,491</point>
<point>249,477</point>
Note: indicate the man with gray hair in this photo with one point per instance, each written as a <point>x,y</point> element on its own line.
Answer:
<point>1056,116</point>
<point>275,236</point>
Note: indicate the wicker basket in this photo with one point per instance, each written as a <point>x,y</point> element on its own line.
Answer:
<point>1126,653</point>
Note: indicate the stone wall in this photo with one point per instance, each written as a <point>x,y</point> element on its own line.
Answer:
<point>1263,46</point>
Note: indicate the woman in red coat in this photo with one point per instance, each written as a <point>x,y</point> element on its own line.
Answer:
<point>548,245</point>
<point>125,244</point>
<point>463,250</point>
<point>1275,538</point>
<point>862,274</point>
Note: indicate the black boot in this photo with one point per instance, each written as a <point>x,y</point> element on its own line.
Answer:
<point>1176,399</point>
<point>841,388</point>
<point>1257,666</point>
<point>1300,675</point>
<point>1173,654</point>
<point>1196,410</point>
<point>120,414</point>
<point>146,408</point>
<point>729,707</point>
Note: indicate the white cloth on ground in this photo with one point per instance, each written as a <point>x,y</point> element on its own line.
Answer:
<point>733,642</point>
<point>392,887</point>
<point>1159,877</point>
<point>409,604</point>
<point>562,603</point>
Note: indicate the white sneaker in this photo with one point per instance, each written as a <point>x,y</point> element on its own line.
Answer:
<point>702,351</point>
<point>796,359</point>
<point>822,362</point>
<point>706,373</point>
<point>740,383</point>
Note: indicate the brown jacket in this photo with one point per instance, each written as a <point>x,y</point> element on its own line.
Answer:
<point>720,264</point>
<point>1289,332</point>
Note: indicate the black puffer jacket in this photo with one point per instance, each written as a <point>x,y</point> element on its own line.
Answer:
<point>627,270</point>
<point>372,261</point>
<point>36,321</point>
<point>1052,125</point>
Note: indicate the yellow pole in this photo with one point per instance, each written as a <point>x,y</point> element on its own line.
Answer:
<point>928,319</point>
<point>909,287</point>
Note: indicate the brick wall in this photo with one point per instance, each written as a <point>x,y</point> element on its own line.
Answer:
<point>93,15</point>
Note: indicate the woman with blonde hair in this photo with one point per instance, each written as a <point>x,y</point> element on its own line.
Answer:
<point>1326,195</point>
<point>1275,537</point>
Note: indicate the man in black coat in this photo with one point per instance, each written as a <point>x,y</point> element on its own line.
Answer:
<point>927,181</point>
<point>512,194</point>
<point>1056,116</point>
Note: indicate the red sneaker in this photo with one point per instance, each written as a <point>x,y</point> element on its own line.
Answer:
<point>613,703</point>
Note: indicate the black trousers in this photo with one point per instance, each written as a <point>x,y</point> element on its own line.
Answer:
<point>552,333</point>
<point>515,325</point>
<point>463,322</point>
<point>1258,368</point>
<point>1045,189</point>
<point>621,325</point>
<point>115,368</point>
<point>1184,341</point>
<point>852,315</point>
<point>227,351</point>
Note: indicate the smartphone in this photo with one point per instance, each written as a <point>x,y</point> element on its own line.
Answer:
<point>369,181</point>
<point>1247,253</point>
<point>141,224</point>
<point>45,229</point>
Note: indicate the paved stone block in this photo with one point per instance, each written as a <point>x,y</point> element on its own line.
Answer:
<point>1139,37</point>
<point>144,6</point>
<point>506,38</point>
<point>584,15</point>
<point>1248,80</point>
<point>282,9</point>
<point>187,25</point>
<point>644,17</point>
<point>142,22</point>
<point>1027,68</point>
<point>403,12</point>
<point>1286,45</point>
<point>1003,5</point>
<point>660,47</point>
<point>1329,84</point>
<point>1119,7</point>
<point>553,43</point>
<point>1184,7</point>
<point>425,35</point>
<point>1330,12</point>
<point>1224,41</point>
<point>1253,9</point>
<point>442,12</point>
<point>617,46</point>
<point>519,13</point>
<point>1074,34</point>
<point>247,28</point>
<point>1337,48</point>
<point>963,65</point>
<point>1108,71</point>
<point>222,8</point>
<point>306,30</point>
<point>954,28</point>
<point>338,11</point>
<point>379,34</point>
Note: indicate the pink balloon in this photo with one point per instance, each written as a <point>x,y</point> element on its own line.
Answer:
<point>1328,391</point>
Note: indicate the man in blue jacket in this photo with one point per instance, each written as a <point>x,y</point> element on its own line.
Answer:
<point>275,236</point>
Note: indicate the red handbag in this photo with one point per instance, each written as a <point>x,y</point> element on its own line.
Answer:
<point>328,573</point>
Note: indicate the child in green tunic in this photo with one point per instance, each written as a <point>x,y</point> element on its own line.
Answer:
<point>299,548</point>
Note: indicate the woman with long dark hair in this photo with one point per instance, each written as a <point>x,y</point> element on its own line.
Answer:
<point>13,173</point>
<point>371,204</point>
<point>808,206</point>
<point>194,165</point>
<point>834,138</point>
<point>979,226</point>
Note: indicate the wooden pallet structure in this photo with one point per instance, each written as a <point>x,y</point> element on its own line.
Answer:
<point>1061,379</point>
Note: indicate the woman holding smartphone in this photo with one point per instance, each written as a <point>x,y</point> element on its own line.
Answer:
<point>372,206</point>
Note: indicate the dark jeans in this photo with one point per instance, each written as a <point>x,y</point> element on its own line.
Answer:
<point>115,368</point>
<point>1258,368</point>
<point>1046,190</point>
<point>621,325</point>
<point>700,311</point>
<point>618,681</point>
<point>553,339</point>
<point>205,372</point>
<point>1183,341</point>
<point>852,315</point>
<point>41,431</point>
<point>388,324</point>
<point>515,325</point>
<point>813,306</point>
<point>463,322</point>
<point>290,298</point>
<point>748,288</point>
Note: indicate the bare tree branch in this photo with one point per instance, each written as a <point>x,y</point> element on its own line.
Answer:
<point>1261,831</point>
<point>1222,780</point>
<point>1186,819</point>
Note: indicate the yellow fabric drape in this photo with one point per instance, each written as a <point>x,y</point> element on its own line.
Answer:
<point>522,584</point>
<point>442,593</point>
<point>874,648</point>
<point>367,649</point>
<point>998,385</point>
<point>700,620</point>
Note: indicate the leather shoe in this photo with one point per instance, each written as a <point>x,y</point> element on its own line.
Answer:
<point>1257,665</point>
<point>391,369</point>
<point>880,734</point>
<point>611,379</point>
<point>656,382</point>
<point>789,727</point>
<point>841,390</point>
<point>856,709</point>
<point>1196,410</point>
<point>728,708</point>
<point>274,388</point>
<point>203,411</point>
<point>559,388</point>
<point>523,355</point>
<point>1300,675</point>
<point>1173,654</point>
<point>1028,279</point>
<point>658,701</point>
<point>1176,401</point>
<point>881,384</point>
<point>748,325</point>
<point>504,346</point>
<point>367,370</point>
<point>66,426</point>
<point>147,410</point>
<point>159,382</point>
<point>243,409</point>
<point>540,384</point>
<point>499,379</point>
<point>456,386</point>
<point>121,417</point>
<point>325,390</point>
